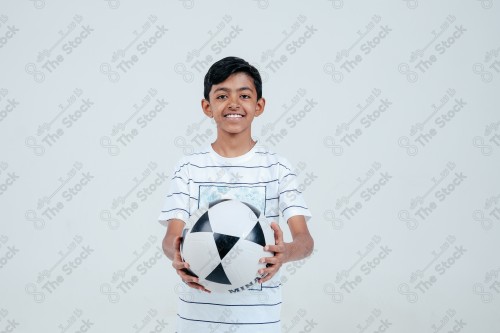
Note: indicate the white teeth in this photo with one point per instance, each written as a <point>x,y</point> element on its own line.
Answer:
<point>233,116</point>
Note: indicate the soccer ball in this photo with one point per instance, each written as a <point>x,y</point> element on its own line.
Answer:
<point>224,245</point>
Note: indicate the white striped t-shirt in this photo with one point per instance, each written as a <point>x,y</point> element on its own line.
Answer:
<point>266,181</point>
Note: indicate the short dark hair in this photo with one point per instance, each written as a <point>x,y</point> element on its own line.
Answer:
<point>222,69</point>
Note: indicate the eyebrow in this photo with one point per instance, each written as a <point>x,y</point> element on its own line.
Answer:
<point>227,89</point>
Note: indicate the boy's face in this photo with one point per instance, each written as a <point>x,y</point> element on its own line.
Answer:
<point>233,104</point>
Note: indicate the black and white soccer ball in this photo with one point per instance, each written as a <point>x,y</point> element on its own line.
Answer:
<point>224,245</point>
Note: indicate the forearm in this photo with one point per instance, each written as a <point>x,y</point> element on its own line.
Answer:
<point>301,247</point>
<point>168,247</point>
<point>174,230</point>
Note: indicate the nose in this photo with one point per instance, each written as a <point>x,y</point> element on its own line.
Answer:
<point>234,103</point>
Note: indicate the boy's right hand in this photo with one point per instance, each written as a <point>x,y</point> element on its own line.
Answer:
<point>182,266</point>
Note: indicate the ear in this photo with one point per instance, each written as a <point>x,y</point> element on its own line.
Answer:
<point>207,109</point>
<point>259,107</point>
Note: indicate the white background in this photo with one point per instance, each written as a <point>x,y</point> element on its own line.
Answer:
<point>408,258</point>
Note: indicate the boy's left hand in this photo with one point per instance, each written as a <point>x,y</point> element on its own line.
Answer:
<point>280,255</point>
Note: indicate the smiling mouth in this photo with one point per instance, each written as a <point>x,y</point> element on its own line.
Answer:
<point>233,115</point>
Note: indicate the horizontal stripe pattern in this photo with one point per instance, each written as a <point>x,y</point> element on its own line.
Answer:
<point>263,179</point>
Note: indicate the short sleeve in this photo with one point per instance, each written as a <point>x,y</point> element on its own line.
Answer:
<point>291,200</point>
<point>176,204</point>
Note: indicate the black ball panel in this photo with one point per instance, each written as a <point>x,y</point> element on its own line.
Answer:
<point>203,224</point>
<point>254,210</point>
<point>218,275</point>
<point>224,243</point>
<point>215,202</point>
<point>256,235</point>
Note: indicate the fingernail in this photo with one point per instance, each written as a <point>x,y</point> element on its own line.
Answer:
<point>261,261</point>
<point>266,248</point>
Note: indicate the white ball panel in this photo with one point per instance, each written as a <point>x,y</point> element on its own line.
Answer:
<point>232,218</point>
<point>215,287</point>
<point>200,251</point>
<point>241,264</point>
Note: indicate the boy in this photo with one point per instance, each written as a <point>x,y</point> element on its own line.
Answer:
<point>233,166</point>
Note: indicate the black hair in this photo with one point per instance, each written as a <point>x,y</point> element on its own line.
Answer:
<point>222,69</point>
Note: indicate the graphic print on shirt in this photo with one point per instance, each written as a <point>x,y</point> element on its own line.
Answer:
<point>253,195</point>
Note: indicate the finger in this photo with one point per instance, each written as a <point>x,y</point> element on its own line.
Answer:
<point>197,286</point>
<point>275,248</point>
<point>270,260</point>
<point>187,277</point>
<point>177,247</point>
<point>270,269</point>
<point>177,242</point>
<point>179,264</point>
<point>278,234</point>
<point>266,277</point>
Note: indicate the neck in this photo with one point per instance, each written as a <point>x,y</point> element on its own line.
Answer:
<point>233,146</point>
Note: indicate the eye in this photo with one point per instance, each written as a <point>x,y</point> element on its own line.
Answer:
<point>221,97</point>
<point>246,96</point>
